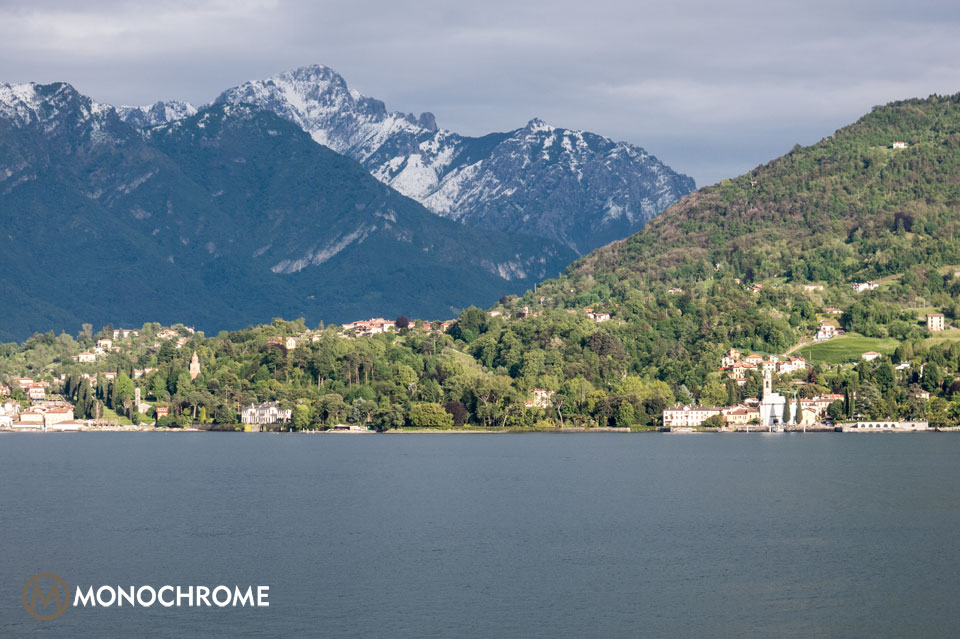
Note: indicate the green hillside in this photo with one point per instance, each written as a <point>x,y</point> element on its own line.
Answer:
<point>728,267</point>
<point>849,207</point>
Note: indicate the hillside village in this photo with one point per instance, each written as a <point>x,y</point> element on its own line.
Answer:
<point>770,410</point>
<point>43,405</point>
<point>115,379</point>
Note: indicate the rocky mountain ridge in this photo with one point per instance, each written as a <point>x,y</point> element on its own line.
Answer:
<point>574,187</point>
<point>229,216</point>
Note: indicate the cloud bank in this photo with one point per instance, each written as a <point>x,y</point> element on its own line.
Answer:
<point>711,88</point>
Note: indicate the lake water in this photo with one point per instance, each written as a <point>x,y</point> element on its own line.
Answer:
<point>456,535</point>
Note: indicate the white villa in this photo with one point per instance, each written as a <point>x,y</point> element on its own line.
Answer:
<point>688,416</point>
<point>268,413</point>
<point>791,365</point>
<point>935,321</point>
<point>825,332</point>
<point>541,398</point>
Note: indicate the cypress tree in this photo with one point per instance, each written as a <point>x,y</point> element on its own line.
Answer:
<point>731,392</point>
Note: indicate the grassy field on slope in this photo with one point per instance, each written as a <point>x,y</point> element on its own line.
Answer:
<point>847,348</point>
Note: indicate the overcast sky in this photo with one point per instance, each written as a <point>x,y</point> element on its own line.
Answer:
<point>712,88</point>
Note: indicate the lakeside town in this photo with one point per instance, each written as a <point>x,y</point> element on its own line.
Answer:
<point>766,393</point>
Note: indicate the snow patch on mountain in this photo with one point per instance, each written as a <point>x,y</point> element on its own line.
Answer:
<point>34,104</point>
<point>156,113</point>
<point>582,189</point>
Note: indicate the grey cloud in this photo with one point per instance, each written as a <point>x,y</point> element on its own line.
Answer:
<point>711,88</point>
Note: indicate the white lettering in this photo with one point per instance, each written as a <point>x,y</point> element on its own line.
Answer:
<point>226,591</point>
<point>188,595</point>
<point>124,595</point>
<point>153,596</point>
<point>164,602</point>
<point>84,599</point>
<point>245,598</point>
<point>169,596</point>
<point>100,598</point>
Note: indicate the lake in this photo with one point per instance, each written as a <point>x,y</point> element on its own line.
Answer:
<point>485,535</point>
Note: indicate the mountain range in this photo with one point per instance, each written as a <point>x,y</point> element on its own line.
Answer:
<point>225,217</point>
<point>293,195</point>
<point>580,189</point>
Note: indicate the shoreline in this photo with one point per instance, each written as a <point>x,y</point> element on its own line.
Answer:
<point>469,431</point>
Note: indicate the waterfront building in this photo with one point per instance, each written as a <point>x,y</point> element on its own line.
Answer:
<point>541,398</point>
<point>688,416</point>
<point>771,405</point>
<point>741,415</point>
<point>268,413</point>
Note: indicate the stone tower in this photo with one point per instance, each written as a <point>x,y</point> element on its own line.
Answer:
<point>194,366</point>
<point>767,383</point>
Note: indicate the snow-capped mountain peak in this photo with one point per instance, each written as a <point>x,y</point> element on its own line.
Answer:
<point>157,113</point>
<point>318,100</point>
<point>32,104</point>
<point>536,124</point>
<point>580,188</point>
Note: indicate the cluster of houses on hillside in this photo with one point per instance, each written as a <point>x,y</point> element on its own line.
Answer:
<point>36,391</point>
<point>45,413</point>
<point>370,327</point>
<point>49,411</point>
<point>596,316</point>
<point>378,325</point>
<point>766,411</point>
<point>44,417</point>
<point>737,367</point>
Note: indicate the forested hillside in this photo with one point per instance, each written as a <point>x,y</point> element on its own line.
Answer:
<point>849,207</point>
